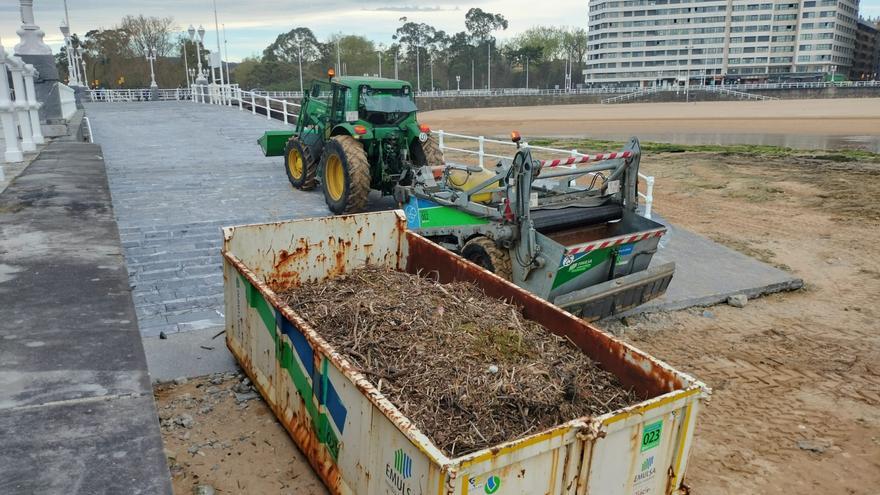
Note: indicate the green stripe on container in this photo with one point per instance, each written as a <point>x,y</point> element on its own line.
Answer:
<point>320,421</point>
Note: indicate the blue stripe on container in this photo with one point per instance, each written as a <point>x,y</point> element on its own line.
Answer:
<point>300,345</point>
<point>335,407</point>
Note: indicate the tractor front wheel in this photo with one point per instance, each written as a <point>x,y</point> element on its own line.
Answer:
<point>484,252</point>
<point>300,165</point>
<point>345,176</point>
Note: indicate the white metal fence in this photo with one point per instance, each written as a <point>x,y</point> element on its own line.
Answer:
<point>128,95</point>
<point>725,90</point>
<point>180,94</point>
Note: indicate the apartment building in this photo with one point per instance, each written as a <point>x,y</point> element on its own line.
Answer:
<point>866,57</point>
<point>650,42</point>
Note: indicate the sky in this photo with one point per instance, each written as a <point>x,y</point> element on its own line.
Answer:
<point>252,24</point>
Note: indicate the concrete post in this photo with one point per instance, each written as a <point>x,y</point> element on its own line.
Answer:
<point>13,153</point>
<point>16,67</point>
<point>482,141</point>
<point>33,104</point>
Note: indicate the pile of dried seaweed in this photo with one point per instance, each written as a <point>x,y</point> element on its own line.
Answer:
<point>467,369</point>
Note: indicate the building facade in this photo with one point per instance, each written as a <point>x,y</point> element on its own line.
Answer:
<point>866,57</point>
<point>650,42</point>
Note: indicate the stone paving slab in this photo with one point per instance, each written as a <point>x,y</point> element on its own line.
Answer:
<point>76,406</point>
<point>707,273</point>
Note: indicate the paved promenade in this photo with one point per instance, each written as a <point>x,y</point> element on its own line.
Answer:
<point>178,172</point>
<point>76,407</point>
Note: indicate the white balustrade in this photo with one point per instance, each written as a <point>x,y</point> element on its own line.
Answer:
<point>13,153</point>
<point>33,104</point>
<point>16,68</point>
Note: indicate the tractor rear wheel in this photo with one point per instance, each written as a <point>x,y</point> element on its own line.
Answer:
<point>427,153</point>
<point>345,176</point>
<point>300,165</point>
<point>484,252</point>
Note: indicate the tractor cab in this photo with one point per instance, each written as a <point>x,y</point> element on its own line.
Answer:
<point>353,135</point>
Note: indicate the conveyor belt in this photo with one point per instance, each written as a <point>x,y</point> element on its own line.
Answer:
<point>547,221</point>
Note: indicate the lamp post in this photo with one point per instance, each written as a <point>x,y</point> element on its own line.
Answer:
<point>379,54</point>
<point>458,83</point>
<point>185,65</point>
<point>198,37</point>
<point>300,62</point>
<point>226,56</point>
<point>151,56</point>
<point>72,76</point>
<point>418,70</point>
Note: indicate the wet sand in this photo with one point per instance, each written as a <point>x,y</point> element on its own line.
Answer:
<point>819,124</point>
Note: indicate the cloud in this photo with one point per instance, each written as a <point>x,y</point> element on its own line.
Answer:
<point>412,8</point>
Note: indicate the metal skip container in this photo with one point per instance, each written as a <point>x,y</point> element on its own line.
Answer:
<point>359,442</point>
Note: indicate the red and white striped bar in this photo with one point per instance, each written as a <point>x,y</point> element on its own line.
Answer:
<point>586,158</point>
<point>586,248</point>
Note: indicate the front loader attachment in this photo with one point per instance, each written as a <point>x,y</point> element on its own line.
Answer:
<point>273,143</point>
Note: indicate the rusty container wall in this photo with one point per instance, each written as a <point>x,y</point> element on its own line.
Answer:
<point>358,442</point>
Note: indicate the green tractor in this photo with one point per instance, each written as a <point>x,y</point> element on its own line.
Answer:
<point>355,134</point>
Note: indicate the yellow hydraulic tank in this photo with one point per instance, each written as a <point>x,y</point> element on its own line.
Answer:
<point>464,180</point>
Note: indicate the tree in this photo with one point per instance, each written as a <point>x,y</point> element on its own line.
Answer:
<point>287,47</point>
<point>481,25</point>
<point>149,32</point>
<point>575,43</point>
<point>418,38</point>
<point>357,54</point>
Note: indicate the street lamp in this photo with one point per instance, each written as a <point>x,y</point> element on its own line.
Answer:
<point>72,69</point>
<point>379,54</point>
<point>200,79</point>
<point>151,56</point>
<point>458,83</point>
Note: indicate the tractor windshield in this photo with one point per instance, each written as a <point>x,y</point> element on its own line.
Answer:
<point>386,106</point>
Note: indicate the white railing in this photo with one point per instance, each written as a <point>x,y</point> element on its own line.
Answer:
<point>630,96</point>
<point>725,90</point>
<point>737,94</point>
<point>254,101</point>
<point>68,101</point>
<point>129,95</point>
<point>625,92</point>
<point>279,94</point>
<point>19,109</point>
<point>481,154</point>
